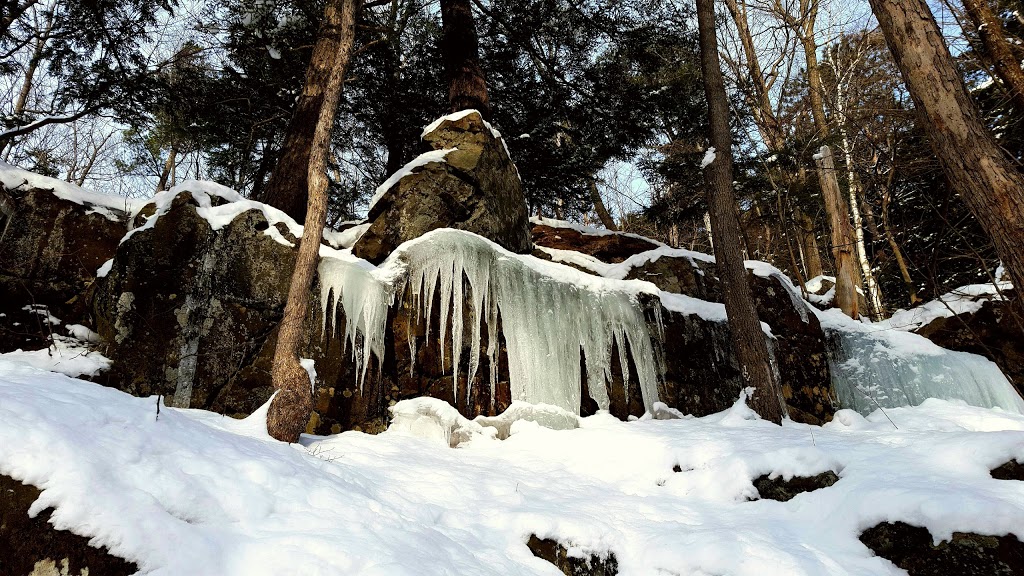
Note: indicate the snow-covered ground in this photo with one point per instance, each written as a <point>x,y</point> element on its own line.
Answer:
<point>196,493</point>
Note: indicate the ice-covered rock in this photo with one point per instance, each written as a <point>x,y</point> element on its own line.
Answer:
<point>464,180</point>
<point>877,367</point>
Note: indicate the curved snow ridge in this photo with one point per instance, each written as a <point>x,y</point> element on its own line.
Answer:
<point>963,300</point>
<point>553,317</point>
<point>197,493</point>
<point>589,230</point>
<point>218,216</point>
<point>111,207</point>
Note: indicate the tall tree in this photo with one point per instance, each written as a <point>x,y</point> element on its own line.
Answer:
<point>460,47</point>
<point>748,339</point>
<point>288,185</point>
<point>843,240</point>
<point>293,402</point>
<point>974,164</point>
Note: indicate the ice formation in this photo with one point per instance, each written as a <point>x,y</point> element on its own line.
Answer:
<point>549,315</point>
<point>882,368</point>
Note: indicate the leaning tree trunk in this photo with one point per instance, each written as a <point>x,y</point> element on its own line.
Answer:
<point>467,85</point>
<point>288,184</point>
<point>971,159</point>
<point>599,207</point>
<point>993,38</point>
<point>293,402</point>
<point>748,339</point>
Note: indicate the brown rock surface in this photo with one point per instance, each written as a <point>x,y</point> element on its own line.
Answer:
<point>476,188</point>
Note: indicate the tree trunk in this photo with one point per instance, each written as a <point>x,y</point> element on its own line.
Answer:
<point>993,38</point>
<point>896,252</point>
<point>971,159</point>
<point>872,291</point>
<point>165,176</point>
<point>467,85</point>
<point>289,184</point>
<point>749,341</point>
<point>808,241</point>
<point>293,402</point>
<point>599,207</point>
<point>847,278</point>
<point>759,98</point>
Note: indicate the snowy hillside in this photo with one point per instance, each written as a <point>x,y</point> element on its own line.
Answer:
<point>191,492</point>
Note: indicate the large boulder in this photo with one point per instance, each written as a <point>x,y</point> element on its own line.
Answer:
<point>185,308</point>
<point>191,305</point>
<point>465,181</point>
<point>53,237</point>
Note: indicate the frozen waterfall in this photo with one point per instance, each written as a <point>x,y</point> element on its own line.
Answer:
<point>553,318</point>
<point>873,367</point>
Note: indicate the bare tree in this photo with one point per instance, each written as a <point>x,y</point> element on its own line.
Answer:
<point>748,339</point>
<point>293,402</point>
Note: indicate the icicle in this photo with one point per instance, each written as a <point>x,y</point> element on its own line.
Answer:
<point>365,301</point>
<point>888,369</point>
<point>549,316</point>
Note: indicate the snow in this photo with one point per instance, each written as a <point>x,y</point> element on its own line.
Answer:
<point>876,367</point>
<point>538,302</point>
<point>70,356</point>
<point>111,207</point>
<point>964,300</point>
<point>709,157</point>
<point>218,216</point>
<point>83,333</point>
<point>44,311</point>
<point>410,168</point>
<point>455,117</point>
<point>105,268</point>
<point>197,493</point>
<point>348,237</point>
<point>588,230</point>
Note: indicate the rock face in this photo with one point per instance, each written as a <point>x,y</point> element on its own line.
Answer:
<point>475,188</point>
<point>558,554</point>
<point>606,247</point>
<point>192,312</point>
<point>712,383</point>
<point>966,554</point>
<point>50,249</point>
<point>33,547</point>
<point>785,490</point>
<point>185,309</point>
<point>995,332</point>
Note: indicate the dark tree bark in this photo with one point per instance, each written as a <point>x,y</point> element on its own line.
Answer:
<point>749,342</point>
<point>993,38</point>
<point>973,162</point>
<point>467,85</point>
<point>289,185</point>
<point>293,403</point>
<point>599,207</point>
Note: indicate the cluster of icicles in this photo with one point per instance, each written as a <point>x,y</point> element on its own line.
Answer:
<point>548,316</point>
